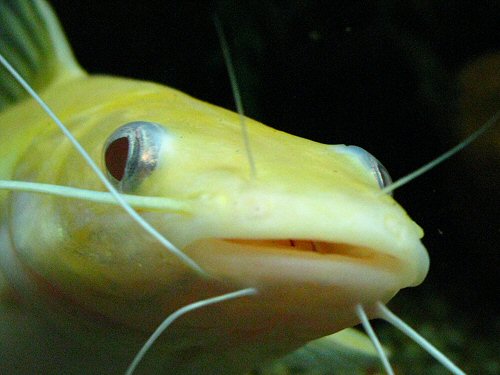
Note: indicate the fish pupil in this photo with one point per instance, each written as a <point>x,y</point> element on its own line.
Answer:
<point>116,157</point>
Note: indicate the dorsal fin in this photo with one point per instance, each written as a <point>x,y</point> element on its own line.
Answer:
<point>32,40</point>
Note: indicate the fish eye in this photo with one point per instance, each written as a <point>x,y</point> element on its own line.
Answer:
<point>375,167</point>
<point>132,153</point>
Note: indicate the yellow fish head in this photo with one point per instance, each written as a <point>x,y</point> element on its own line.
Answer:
<point>310,230</point>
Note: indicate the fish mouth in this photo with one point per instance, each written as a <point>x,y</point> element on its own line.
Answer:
<point>264,262</point>
<point>311,283</point>
<point>326,250</point>
<point>318,247</point>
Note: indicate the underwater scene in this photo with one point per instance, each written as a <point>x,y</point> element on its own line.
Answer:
<point>406,81</point>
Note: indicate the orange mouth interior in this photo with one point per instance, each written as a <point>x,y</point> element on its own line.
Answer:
<point>319,247</point>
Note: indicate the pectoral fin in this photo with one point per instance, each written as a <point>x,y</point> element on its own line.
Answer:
<point>346,352</point>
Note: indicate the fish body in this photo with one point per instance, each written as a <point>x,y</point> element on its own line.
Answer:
<point>311,230</point>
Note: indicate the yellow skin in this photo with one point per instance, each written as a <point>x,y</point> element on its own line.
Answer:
<point>91,274</point>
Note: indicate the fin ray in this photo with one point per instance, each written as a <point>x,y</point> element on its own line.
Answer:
<point>345,352</point>
<point>32,40</point>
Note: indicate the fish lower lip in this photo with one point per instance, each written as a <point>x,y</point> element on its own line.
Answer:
<point>287,272</point>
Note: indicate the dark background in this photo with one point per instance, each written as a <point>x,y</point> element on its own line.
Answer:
<point>386,75</point>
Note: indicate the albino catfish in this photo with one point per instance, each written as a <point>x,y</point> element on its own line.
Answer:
<point>255,246</point>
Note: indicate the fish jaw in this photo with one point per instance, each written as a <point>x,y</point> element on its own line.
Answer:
<point>306,294</point>
<point>312,277</point>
